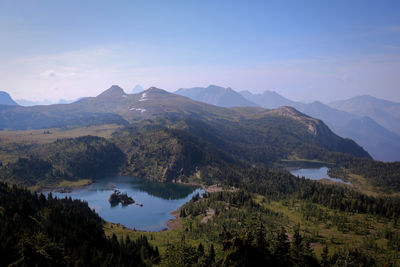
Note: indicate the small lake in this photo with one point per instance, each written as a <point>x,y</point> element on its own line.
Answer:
<point>158,200</point>
<point>316,174</point>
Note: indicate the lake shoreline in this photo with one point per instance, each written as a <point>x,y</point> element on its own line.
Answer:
<point>60,188</point>
<point>171,224</point>
<point>209,189</point>
<point>317,174</point>
<point>175,223</point>
<point>155,203</point>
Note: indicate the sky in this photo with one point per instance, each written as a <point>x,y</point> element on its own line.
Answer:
<point>304,50</point>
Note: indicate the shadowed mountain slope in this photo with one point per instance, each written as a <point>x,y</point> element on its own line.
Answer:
<point>381,143</point>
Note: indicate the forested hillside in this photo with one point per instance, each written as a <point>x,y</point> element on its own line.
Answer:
<point>66,159</point>
<point>384,176</point>
<point>40,231</point>
<point>178,146</point>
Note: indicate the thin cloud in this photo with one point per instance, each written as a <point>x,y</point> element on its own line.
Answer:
<point>48,74</point>
<point>89,71</point>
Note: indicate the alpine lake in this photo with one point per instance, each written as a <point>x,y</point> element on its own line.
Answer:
<point>154,201</point>
<point>153,205</point>
<point>314,172</point>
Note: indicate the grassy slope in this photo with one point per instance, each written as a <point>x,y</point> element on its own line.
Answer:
<point>359,230</point>
<point>12,142</point>
<point>62,185</point>
<point>363,231</point>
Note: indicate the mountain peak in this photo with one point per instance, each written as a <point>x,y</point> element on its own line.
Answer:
<point>213,86</point>
<point>313,125</point>
<point>155,90</point>
<point>288,111</point>
<point>5,99</point>
<point>137,89</point>
<point>268,99</point>
<point>216,95</point>
<point>269,93</point>
<point>113,91</point>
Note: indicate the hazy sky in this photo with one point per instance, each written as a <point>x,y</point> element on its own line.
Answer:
<point>304,50</point>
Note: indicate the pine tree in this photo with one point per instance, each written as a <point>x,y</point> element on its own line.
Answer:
<point>325,257</point>
<point>211,255</point>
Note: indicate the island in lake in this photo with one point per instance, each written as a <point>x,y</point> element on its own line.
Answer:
<point>118,197</point>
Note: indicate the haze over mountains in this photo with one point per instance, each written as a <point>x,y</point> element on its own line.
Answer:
<point>351,121</point>
<point>137,89</point>
<point>30,103</point>
<point>284,130</point>
<point>382,143</point>
<point>268,99</point>
<point>216,95</point>
<point>386,113</point>
<point>115,106</point>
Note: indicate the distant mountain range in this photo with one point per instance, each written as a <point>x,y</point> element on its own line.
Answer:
<point>352,121</point>
<point>261,134</point>
<point>115,106</point>
<point>386,113</point>
<point>29,103</point>
<point>382,143</point>
<point>137,89</point>
<point>216,95</point>
<point>268,99</point>
<point>5,99</point>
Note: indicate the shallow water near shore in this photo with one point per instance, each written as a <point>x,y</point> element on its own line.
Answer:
<point>154,201</point>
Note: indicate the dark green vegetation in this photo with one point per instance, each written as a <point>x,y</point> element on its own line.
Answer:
<point>65,159</point>
<point>117,197</point>
<point>255,233</point>
<point>244,229</point>
<point>35,231</point>
<point>177,148</point>
<point>267,216</point>
<point>384,176</point>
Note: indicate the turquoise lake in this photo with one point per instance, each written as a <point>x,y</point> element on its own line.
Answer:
<point>158,200</point>
<point>316,174</point>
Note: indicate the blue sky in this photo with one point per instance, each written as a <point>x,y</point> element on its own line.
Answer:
<point>304,50</point>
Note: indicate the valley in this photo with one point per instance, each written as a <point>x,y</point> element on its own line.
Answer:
<point>199,133</point>
<point>242,152</point>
